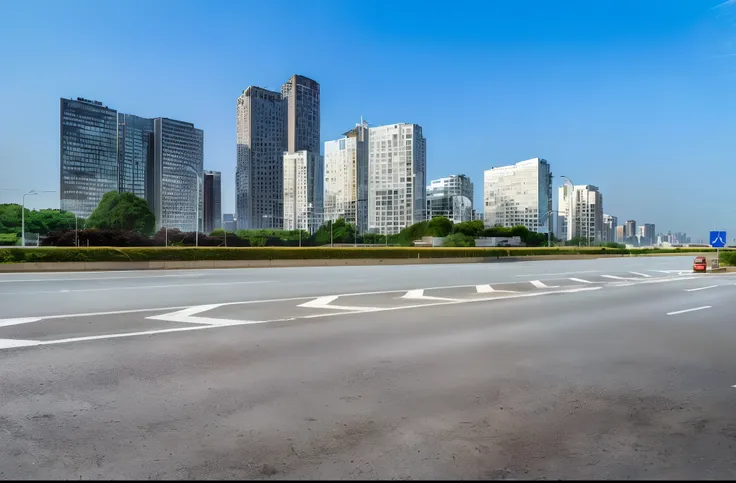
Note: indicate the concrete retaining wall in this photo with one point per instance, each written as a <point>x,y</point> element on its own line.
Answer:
<point>161,265</point>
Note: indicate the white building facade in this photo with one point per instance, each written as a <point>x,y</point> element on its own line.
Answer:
<point>581,207</point>
<point>519,194</point>
<point>610,223</point>
<point>397,166</point>
<point>346,178</point>
<point>451,197</point>
<point>303,191</point>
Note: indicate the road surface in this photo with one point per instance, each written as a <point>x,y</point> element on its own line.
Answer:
<point>611,368</point>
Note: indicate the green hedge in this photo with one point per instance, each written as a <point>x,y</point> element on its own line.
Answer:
<point>73,254</point>
<point>727,258</point>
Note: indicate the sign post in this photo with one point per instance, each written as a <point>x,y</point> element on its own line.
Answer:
<point>717,240</point>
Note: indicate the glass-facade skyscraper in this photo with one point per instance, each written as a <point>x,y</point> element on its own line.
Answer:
<point>158,160</point>
<point>89,159</point>
<point>178,165</point>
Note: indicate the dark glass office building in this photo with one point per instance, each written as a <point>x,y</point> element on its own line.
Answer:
<point>135,154</point>
<point>212,196</point>
<point>89,158</point>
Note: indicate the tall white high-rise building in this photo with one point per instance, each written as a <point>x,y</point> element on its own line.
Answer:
<point>303,191</point>
<point>346,178</point>
<point>581,206</point>
<point>451,197</point>
<point>397,166</point>
<point>519,194</point>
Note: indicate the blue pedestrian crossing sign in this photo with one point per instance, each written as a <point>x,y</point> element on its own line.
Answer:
<point>718,239</point>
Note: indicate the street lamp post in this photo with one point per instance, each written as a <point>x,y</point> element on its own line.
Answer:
<point>196,217</point>
<point>23,214</point>
<point>549,230</point>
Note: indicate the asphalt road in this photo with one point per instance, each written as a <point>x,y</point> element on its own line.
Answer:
<point>613,368</point>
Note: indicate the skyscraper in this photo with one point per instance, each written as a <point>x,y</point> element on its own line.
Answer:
<point>630,234</point>
<point>89,156</point>
<point>178,165</point>
<point>346,177</point>
<point>519,194</point>
<point>261,142</point>
<point>610,225</point>
<point>135,152</point>
<point>451,197</point>
<point>268,125</point>
<point>397,166</point>
<point>103,150</point>
<point>212,200</point>
<point>303,191</point>
<point>582,209</point>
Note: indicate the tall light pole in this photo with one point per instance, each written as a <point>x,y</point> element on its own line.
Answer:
<point>549,230</point>
<point>572,206</point>
<point>196,218</point>
<point>23,214</point>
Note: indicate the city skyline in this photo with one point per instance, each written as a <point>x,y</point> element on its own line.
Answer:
<point>605,112</point>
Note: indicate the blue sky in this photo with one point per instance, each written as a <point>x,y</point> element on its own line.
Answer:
<point>634,96</point>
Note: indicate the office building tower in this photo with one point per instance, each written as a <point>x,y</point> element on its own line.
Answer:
<point>261,138</point>
<point>103,150</point>
<point>178,165</point>
<point>135,155</point>
<point>346,178</point>
<point>630,233</point>
<point>303,118</point>
<point>519,194</point>
<point>228,222</point>
<point>397,165</point>
<point>451,197</point>
<point>610,225</point>
<point>268,125</point>
<point>89,157</point>
<point>620,235</point>
<point>212,201</point>
<point>646,234</point>
<point>582,210</point>
<point>303,191</point>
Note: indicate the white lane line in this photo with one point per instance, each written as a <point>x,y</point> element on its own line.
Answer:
<point>677,312</point>
<point>558,273</point>
<point>26,320</point>
<point>21,280</point>
<point>29,343</point>
<point>419,294</point>
<point>658,280</point>
<point>580,280</point>
<point>616,277</point>
<point>8,343</point>
<point>324,303</point>
<point>641,274</point>
<point>137,287</point>
<point>700,288</point>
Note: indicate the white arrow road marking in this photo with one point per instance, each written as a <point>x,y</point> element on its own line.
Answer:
<point>419,294</point>
<point>689,310</point>
<point>488,289</point>
<point>540,284</point>
<point>324,303</point>
<point>8,343</point>
<point>641,274</point>
<point>700,288</point>
<point>18,321</point>
<point>579,280</point>
<point>187,316</point>
<point>22,343</point>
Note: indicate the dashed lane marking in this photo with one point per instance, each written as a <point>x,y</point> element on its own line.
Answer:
<point>579,280</point>
<point>540,284</point>
<point>419,294</point>
<point>700,288</point>
<point>678,312</point>
<point>324,303</point>
<point>641,274</point>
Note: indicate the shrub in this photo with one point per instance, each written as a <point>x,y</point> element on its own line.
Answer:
<point>459,240</point>
<point>727,258</point>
